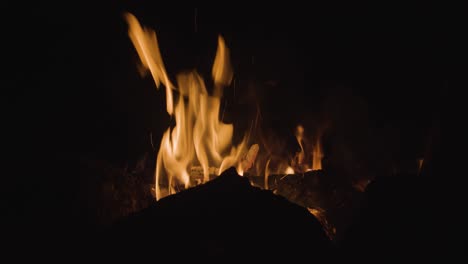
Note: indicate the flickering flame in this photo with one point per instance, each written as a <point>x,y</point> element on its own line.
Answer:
<point>199,146</point>
<point>299,137</point>
<point>289,170</point>
<point>317,155</point>
<point>146,45</point>
<point>198,139</point>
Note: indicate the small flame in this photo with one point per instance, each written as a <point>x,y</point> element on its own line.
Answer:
<point>267,173</point>
<point>299,137</point>
<point>146,45</point>
<point>289,170</point>
<point>199,138</point>
<point>222,72</point>
<point>317,155</point>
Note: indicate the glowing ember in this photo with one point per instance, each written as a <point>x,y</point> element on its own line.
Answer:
<point>319,213</point>
<point>198,139</point>
<point>289,170</point>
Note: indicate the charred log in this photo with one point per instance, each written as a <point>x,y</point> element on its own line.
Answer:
<point>226,217</point>
<point>320,191</point>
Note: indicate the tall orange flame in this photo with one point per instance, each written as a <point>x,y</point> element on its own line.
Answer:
<point>199,138</point>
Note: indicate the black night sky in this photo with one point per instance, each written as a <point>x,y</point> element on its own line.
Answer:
<point>74,90</point>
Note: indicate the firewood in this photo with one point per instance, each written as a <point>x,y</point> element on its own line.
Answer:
<point>196,172</point>
<point>218,214</point>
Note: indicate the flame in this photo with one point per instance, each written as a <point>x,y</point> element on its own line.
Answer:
<point>199,138</point>
<point>317,155</point>
<point>267,174</point>
<point>289,170</point>
<point>222,71</point>
<point>299,137</point>
<point>146,45</point>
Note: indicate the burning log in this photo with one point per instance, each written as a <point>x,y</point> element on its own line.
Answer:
<point>197,172</point>
<point>307,189</point>
<point>226,217</point>
<point>330,200</point>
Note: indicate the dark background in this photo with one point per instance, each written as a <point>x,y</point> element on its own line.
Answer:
<point>73,89</point>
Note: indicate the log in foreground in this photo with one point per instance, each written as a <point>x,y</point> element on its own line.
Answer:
<point>224,218</point>
<point>329,198</point>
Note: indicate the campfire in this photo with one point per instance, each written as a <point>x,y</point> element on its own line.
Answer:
<point>200,151</point>
<point>199,147</point>
<point>195,133</point>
